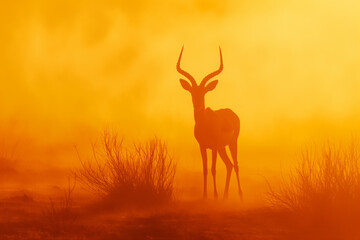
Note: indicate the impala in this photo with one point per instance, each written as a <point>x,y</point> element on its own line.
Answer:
<point>214,129</point>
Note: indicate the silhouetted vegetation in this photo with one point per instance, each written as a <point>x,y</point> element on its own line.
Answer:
<point>141,175</point>
<point>60,216</point>
<point>324,187</point>
<point>7,161</point>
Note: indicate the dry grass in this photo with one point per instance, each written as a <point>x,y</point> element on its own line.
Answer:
<point>141,175</point>
<point>7,161</point>
<point>60,216</point>
<point>324,187</point>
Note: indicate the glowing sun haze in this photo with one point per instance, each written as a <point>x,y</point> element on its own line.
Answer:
<point>71,68</point>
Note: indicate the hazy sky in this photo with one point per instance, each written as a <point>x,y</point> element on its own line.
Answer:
<point>69,69</point>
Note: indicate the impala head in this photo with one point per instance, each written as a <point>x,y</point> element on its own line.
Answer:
<point>198,91</point>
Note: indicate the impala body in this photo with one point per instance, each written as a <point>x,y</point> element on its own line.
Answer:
<point>213,129</point>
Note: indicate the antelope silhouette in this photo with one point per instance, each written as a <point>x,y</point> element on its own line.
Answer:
<point>214,129</point>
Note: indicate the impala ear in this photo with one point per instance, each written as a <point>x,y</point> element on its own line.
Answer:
<point>211,86</point>
<point>185,85</point>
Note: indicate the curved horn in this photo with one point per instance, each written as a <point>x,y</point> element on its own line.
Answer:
<point>186,74</point>
<point>213,74</point>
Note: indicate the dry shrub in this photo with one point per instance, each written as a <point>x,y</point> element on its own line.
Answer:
<point>60,215</point>
<point>7,161</point>
<point>141,175</point>
<point>324,187</point>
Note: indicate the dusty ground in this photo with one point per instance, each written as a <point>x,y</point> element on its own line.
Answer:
<point>41,213</point>
<point>24,217</point>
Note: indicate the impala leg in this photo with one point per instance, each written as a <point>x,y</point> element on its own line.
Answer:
<point>205,170</point>
<point>229,167</point>
<point>213,171</point>
<point>233,150</point>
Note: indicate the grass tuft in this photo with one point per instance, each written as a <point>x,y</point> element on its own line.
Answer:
<point>324,187</point>
<point>139,176</point>
<point>60,216</point>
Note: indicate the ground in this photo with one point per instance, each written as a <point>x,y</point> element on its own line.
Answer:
<point>23,217</point>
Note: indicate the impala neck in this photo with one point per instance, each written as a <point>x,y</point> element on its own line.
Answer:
<point>199,113</point>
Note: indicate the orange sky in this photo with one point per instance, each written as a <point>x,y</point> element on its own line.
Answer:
<point>69,70</point>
